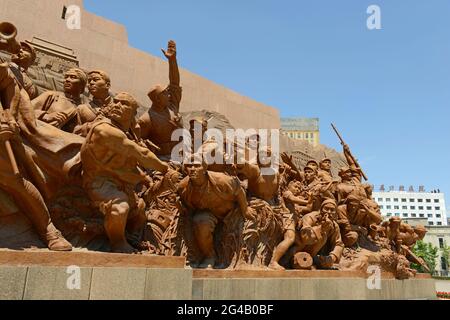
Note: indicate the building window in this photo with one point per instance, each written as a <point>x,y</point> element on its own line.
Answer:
<point>437,208</point>
<point>403,200</point>
<point>396,207</point>
<point>441,243</point>
<point>395,199</point>
<point>419,200</point>
<point>428,200</point>
<point>438,215</point>
<point>388,207</point>
<point>381,207</point>
<point>428,208</point>
<point>431,223</point>
<point>388,199</point>
<point>413,215</point>
<point>380,199</point>
<point>412,207</point>
<point>405,215</point>
<point>421,215</point>
<point>404,207</point>
<point>397,214</point>
<point>411,200</point>
<point>436,200</point>
<point>443,264</point>
<point>439,223</point>
<point>430,215</point>
<point>388,214</point>
<point>420,207</point>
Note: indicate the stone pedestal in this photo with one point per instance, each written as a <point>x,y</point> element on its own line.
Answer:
<point>28,275</point>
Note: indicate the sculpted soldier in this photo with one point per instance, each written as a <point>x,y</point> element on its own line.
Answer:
<point>210,197</point>
<point>320,235</point>
<point>110,173</point>
<point>60,108</point>
<point>324,173</point>
<point>163,117</point>
<point>99,84</point>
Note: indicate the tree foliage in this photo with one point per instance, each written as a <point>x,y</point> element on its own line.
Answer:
<point>428,253</point>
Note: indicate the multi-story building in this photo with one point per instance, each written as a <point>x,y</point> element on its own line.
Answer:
<point>413,204</point>
<point>301,129</point>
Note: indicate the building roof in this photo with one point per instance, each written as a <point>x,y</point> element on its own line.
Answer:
<point>301,124</point>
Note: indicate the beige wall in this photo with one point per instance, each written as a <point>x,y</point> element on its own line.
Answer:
<point>103,44</point>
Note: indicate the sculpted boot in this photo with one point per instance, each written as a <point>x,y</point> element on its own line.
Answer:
<point>55,240</point>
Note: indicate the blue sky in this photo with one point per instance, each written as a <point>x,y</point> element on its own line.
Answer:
<point>388,90</point>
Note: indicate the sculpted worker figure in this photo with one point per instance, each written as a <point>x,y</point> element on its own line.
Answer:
<point>21,59</point>
<point>210,197</point>
<point>110,173</point>
<point>60,108</point>
<point>99,84</point>
<point>320,235</point>
<point>163,117</point>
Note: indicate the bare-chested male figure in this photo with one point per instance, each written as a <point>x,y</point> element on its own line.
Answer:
<point>210,197</point>
<point>110,173</point>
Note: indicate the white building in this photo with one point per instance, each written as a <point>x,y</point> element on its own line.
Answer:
<point>413,205</point>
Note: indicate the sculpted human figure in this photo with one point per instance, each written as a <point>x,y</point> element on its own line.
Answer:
<point>320,235</point>
<point>99,83</point>
<point>163,117</point>
<point>110,173</point>
<point>263,186</point>
<point>210,197</point>
<point>311,189</point>
<point>14,179</point>
<point>21,59</point>
<point>324,173</point>
<point>60,108</point>
<point>291,222</point>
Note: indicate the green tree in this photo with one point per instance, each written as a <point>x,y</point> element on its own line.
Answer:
<point>445,253</point>
<point>428,253</point>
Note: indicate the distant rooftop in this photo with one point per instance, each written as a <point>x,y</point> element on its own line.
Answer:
<point>301,124</point>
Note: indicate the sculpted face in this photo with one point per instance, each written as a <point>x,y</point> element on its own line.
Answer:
<point>72,83</point>
<point>23,58</point>
<point>163,98</point>
<point>346,176</point>
<point>309,174</point>
<point>313,165</point>
<point>325,165</point>
<point>123,110</point>
<point>196,172</point>
<point>329,210</point>
<point>98,87</point>
<point>294,188</point>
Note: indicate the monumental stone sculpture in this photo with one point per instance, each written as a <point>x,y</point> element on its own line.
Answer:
<point>96,171</point>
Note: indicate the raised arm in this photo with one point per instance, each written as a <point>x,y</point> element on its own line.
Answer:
<point>171,55</point>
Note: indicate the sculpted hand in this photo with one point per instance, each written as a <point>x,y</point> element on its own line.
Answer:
<point>171,52</point>
<point>55,118</point>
